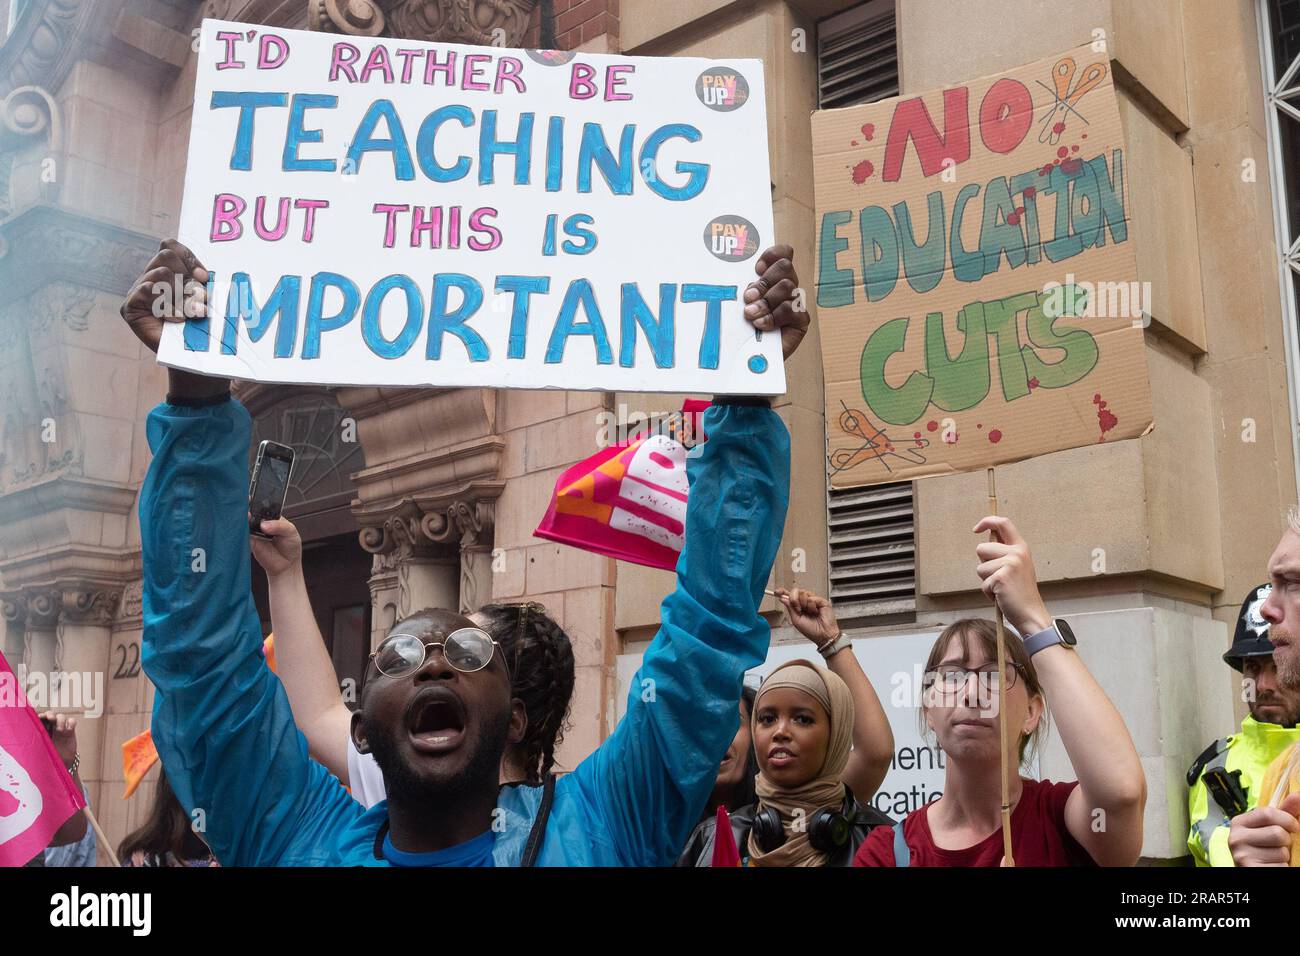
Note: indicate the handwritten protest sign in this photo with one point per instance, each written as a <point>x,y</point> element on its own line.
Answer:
<point>389,212</point>
<point>976,282</point>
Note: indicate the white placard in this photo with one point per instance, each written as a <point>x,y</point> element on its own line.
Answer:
<point>389,212</point>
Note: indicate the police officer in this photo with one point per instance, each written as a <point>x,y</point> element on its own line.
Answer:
<point>1224,779</point>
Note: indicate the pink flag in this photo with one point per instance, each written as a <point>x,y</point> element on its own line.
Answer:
<point>627,501</point>
<point>37,794</point>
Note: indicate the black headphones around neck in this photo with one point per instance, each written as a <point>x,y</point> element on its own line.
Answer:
<point>828,830</point>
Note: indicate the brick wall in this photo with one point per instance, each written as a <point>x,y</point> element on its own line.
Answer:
<point>576,22</point>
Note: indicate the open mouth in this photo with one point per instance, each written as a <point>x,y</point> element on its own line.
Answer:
<point>780,757</point>
<point>435,721</point>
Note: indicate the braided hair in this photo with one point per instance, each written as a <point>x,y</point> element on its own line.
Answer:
<point>540,658</point>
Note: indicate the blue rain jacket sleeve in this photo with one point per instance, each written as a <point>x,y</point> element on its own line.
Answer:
<point>221,720</point>
<point>649,781</point>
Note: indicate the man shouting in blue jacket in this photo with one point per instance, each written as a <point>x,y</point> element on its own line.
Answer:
<point>436,707</point>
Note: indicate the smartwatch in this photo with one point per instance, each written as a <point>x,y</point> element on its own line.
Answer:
<point>1058,633</point>
<point>834,646</point>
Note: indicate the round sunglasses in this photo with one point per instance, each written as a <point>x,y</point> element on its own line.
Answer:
<point>467,650</point>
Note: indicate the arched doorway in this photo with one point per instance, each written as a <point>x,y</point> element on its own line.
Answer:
<point>327,453</point>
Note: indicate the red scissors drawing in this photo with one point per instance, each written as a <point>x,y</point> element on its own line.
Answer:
<point>1067,94</point>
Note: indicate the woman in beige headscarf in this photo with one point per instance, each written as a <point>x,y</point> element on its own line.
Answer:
<point>821,740</point>
<point>805,815</point>
<point>803,731</point>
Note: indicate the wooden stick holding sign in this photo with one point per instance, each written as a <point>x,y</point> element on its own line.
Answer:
<point>1004,756</point>
<point>100,835</point>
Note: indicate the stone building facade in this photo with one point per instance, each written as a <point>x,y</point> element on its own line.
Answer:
<point>430,497</point>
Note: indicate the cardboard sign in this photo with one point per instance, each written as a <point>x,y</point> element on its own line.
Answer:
<point>390,212</point>
<point>976,281</point>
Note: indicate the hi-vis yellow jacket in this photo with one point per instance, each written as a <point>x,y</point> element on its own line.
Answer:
<point>1250,752</point>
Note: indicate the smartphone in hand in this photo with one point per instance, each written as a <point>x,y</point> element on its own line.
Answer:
<point>269,484</point>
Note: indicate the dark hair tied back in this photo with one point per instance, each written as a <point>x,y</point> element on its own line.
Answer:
<point>541,674</point>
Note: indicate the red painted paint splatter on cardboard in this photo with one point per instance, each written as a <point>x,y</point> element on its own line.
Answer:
<point>1105,417</point>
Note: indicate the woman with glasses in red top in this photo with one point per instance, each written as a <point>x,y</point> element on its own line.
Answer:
<point>1095,820</point>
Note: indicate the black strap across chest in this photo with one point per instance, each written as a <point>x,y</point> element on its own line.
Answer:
<point>538,833</point>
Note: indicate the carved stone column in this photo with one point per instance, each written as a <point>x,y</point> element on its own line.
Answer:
<point>13,618</point>
<point>425,498</point>
<point>385,592</point>
<point>40,637</point>
<point>474,522</point>
<point>64,628</point>
<point>65,661</point>
<point>439,558</point>
<point>412,568</point>
<point>499,23</point>
<point>86,668</point>
<point>31,147</point>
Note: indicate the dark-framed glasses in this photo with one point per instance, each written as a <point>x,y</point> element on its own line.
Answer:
<point>951,679</point>
<point>467,650</point>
